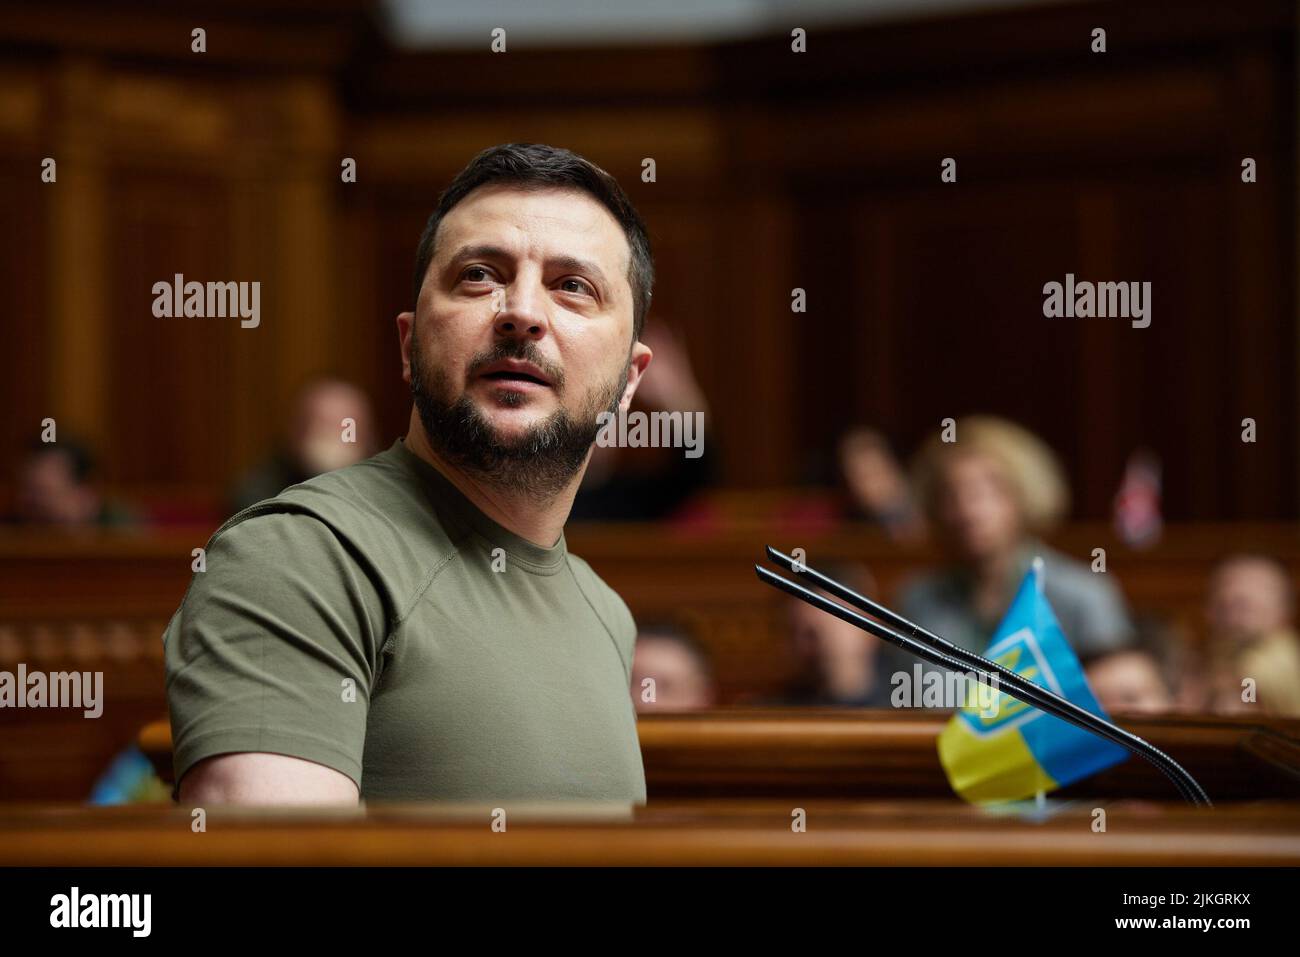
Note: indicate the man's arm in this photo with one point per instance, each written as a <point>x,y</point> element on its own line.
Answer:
<point>270,662</point>
<point>253,777</point>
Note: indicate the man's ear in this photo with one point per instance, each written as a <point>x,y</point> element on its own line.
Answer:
<point>405,326</point>
<point>641,356</point>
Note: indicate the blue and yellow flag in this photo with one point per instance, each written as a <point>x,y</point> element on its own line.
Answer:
<point>1007,750</point>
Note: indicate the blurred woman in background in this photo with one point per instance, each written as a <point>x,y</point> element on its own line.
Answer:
<point>989,496</point>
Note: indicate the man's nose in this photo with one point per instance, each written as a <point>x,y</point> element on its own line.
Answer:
<point>522,311</point>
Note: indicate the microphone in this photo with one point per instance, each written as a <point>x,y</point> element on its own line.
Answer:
<point>927,645</point>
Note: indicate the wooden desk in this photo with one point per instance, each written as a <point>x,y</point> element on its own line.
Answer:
<point>727,832</point>
<point>723,786</point>
<point>813,754</point>
<point>821,753</point>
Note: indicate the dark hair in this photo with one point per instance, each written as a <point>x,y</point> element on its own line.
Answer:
<point>536,166</point>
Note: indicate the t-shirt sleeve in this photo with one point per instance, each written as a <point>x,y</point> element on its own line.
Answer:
<point>275,647</point>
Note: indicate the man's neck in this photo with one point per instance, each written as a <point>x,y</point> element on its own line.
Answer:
<point>538,521</point>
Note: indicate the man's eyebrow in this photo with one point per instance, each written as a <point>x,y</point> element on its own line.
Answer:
<point>567,263</point>
<point>574,264</point>
<point>479,251</point>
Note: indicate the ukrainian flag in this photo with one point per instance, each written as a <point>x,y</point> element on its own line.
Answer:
<point>1012,751</point>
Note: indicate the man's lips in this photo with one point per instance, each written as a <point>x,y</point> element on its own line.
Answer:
<point>515,372</point>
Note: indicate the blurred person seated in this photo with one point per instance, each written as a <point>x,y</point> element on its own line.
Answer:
<point>315,442</point>
<point>877,487</point>
<point>56,487</point>
<point>671,671</point>
<point>1130,682</point>
<point>837,664</point>
<point>647,484</point>
<point>988,496</point>
<point>1155,676</point>
<point>1250,609</point>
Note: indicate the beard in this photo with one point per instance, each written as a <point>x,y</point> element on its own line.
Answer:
<point>542,461</point>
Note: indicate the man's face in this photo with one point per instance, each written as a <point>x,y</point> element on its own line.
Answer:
<point>317,441</point>
<point>524,324</point>
<point>825,639</point>
<point>1247,599</point>
<point>49,492</point>
<point>680,683</point>
<point>1129,683</point>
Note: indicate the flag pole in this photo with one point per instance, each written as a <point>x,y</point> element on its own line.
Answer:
<point>1040,798</point>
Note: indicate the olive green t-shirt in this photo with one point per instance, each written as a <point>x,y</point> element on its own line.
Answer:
<point>375,621</point>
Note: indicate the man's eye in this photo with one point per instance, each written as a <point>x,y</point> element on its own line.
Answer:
<point>583,286</point>
<point>475,274</point>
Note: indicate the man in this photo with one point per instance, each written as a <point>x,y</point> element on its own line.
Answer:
<point>312,445</point>
<point>671,671</point>
<point>1130,682</point>
<point>1250,613</point>
<point>56,488</point>
<point>838,665</point>
<point>651,484</point>
<point>413,627</point>
<point>877,488</point>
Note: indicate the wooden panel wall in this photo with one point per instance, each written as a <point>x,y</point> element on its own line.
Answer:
<point>775,170</point>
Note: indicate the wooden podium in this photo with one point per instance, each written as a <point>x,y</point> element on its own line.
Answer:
<point>854,754</point>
